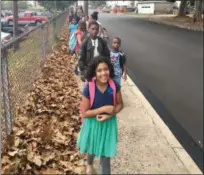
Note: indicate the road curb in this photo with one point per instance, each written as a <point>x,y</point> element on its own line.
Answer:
<point>171,139</point>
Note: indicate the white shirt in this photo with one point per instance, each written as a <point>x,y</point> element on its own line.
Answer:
<point>100,26</point>
<point>95,44</point>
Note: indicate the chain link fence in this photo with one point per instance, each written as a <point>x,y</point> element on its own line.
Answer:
<point>21,62</point>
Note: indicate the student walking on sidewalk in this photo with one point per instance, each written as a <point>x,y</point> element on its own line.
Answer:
<point>71,16</point>
<point>101,101</point>
<point>80,36</point>
<point>94,16</point>
<point>118,60</point>
<point>73,26</point>
<point>91,47</point>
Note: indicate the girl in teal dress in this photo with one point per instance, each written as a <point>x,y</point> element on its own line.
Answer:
<point>99,132</point>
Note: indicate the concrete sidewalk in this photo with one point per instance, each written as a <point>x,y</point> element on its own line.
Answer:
<point>146,145</point>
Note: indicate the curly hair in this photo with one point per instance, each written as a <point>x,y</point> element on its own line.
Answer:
<point>94,15</point>
<point>91,71</point>
<point>117,38</point>
<point>82,25</point>
<point>93,23</point>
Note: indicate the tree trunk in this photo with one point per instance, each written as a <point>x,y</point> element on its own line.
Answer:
<point>182,9</point>
<point>197,16</point>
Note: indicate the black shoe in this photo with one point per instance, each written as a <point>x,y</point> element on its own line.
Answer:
<point>76,72</point>
<point>83,79</point>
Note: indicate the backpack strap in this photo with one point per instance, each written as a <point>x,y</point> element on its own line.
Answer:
<point>112,85</point>
<point>91,92</point>
<point>92,89</point>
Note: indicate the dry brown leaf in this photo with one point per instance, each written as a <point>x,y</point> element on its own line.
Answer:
<point>66,164</point>
<point>12,153</point>
<point>50,171</point>
<point>5,160</point>
<point>16,142</point>
<point>48,158</point>
<point>30,156</point>
<point>46,127</point>
<point>28,167</point>
<point>79,170</point>
<point>37,160</point>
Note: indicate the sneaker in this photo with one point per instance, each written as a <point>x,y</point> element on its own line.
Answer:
<point>90,169</point>
<point>82,78</point>
<point>76,72</point>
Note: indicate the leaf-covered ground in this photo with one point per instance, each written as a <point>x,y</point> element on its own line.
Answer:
<point>46,126</point>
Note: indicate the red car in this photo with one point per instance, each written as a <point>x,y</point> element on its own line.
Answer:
<point>27,18</point>
<point>106,10</point>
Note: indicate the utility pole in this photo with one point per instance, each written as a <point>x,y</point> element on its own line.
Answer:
<point>15,22</point>
<point>86,8</point>
<point>54,21</point>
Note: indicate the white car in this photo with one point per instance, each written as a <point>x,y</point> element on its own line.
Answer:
<point>5,37</point>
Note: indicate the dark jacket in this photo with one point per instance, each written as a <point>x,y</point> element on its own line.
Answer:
<point>122,60</point>
<point>74,16</point>
<point>87,51</point>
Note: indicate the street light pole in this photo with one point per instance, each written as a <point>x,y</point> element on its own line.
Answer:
<point>15,18</point>
<point>15,21</point>
<point>86,7</point>
<point>54,21</point>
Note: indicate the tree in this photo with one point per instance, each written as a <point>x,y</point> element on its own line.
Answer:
<point>22,5</point>
<point>197,16</point>
<point>182,9</point>
<point>7,4</point>
<point>97,3</point>
<point>60,5</point>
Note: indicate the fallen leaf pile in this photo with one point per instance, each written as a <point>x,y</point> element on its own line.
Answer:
<point>44,134</point>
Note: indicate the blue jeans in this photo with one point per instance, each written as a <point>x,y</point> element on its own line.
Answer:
<point>117,79</point>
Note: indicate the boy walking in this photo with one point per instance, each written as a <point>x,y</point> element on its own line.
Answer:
<point>118,61</point>
<point>91,47</point>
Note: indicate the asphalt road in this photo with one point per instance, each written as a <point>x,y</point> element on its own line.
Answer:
<point>167,65</point>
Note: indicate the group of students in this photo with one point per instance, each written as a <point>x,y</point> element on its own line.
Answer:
<point>102,69</point>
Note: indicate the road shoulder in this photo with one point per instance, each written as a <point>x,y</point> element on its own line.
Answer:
<point>170,20</point>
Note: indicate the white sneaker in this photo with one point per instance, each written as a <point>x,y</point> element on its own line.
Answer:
<point>90,169</point>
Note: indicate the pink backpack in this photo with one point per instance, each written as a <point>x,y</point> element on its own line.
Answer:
<point>92,86</point>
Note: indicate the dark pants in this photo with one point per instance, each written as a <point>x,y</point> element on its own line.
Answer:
<point>104,161</point>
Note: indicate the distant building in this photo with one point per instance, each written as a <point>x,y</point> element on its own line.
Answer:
<point>33,3</point>
<point>154,7</point>
<point>120,3</point>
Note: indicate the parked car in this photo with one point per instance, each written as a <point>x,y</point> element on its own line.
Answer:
<point>3,20</point>
<point>5,13</point>
<point>47,14</point>
<point>5,37</point>
<point>106,10</point>
<point>27,18</point>
<point>9,29</point>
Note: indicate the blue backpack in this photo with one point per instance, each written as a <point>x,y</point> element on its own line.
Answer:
<point>72,41</point>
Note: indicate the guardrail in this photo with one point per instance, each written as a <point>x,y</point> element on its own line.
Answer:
<point>21,62</point>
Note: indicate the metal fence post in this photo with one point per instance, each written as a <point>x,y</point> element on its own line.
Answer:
<point>46,36</point>
<point>43,43</point>
<point>55,28</point>
<point>6,94</point>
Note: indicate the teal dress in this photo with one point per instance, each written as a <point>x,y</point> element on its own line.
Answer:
<point>99,138</point>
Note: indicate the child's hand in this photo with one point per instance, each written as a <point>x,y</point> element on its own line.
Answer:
<point>103,117</point>
<point>125,77</point>
<point>109,109</point>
